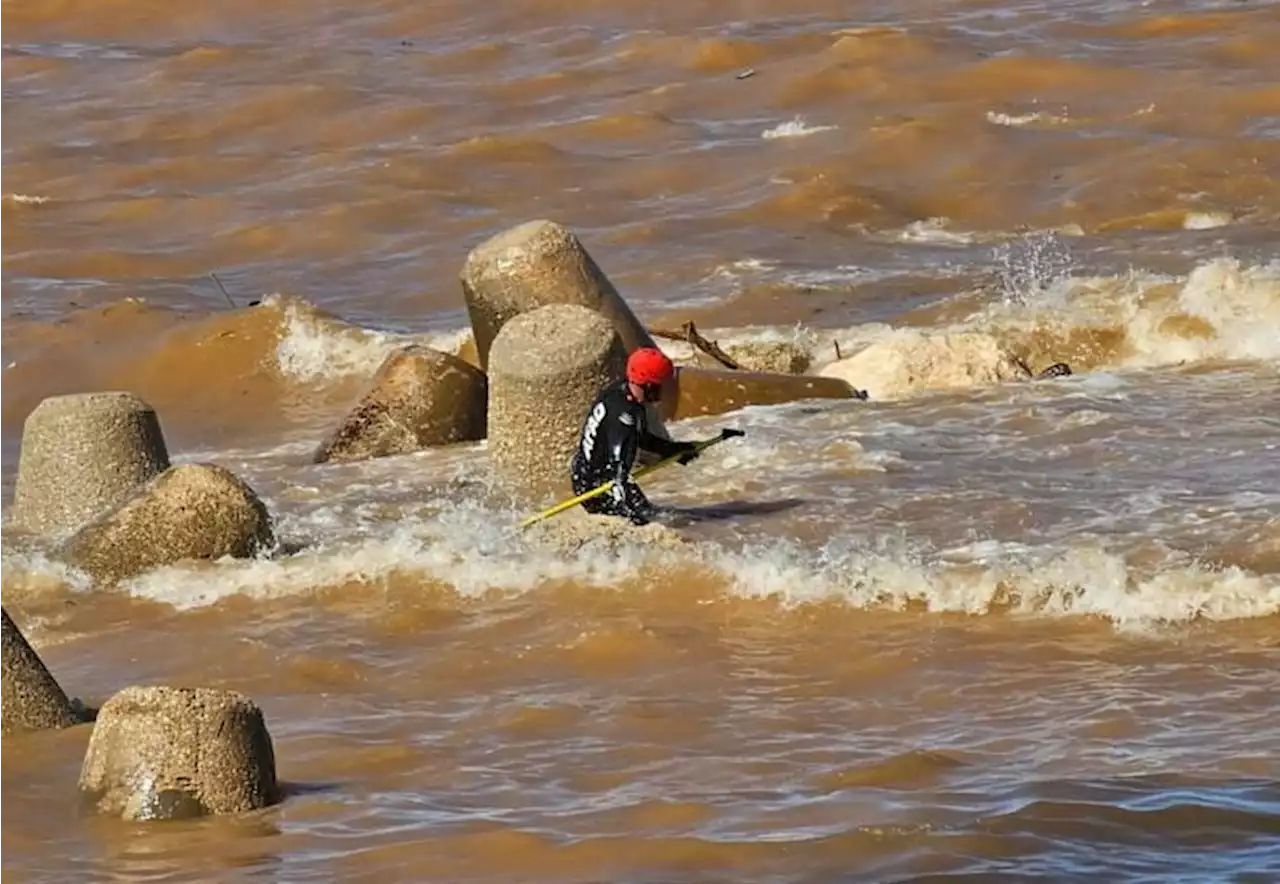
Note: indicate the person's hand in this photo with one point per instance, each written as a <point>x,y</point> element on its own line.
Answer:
<point>690,455</point>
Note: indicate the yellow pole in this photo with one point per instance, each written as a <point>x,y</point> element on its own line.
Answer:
<point>594,492</point>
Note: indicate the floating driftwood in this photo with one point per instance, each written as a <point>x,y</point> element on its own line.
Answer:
<point>690,335</point>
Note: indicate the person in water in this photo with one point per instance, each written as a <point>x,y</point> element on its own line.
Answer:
<point>615,431</point>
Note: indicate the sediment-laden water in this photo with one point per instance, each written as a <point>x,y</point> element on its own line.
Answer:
<point>996,630</point>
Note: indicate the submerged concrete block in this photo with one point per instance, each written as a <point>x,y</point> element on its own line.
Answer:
<point>191,511</point>
<point>532,265</point>
<point>707,391</point>
<point>83,454</point>
<point>33,700</point>
<point>535,264</point>
<point>161,752</point>
<point>545,370</point>
<point>419,398</point>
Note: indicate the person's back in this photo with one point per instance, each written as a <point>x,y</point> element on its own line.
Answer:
<point>612,418</point>
<point>613,433</point>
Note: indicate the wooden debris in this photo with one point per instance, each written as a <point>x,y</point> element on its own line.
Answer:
<point>689,334</point>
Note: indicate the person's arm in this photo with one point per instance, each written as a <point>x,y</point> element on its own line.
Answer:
<point>664,448</point>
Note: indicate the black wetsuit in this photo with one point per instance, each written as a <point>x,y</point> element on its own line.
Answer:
<point>614,432</point>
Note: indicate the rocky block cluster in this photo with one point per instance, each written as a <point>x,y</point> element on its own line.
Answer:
<point>159,752</point>
<point>95,482</point>
<point>548,329</point>
<point>155,752</point>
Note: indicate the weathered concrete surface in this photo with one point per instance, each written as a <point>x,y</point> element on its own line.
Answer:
<point>419,398</point>
<point>579,531</point>
<point>704,391</point>
<point>545,370</point>
<point>161,752</point>
<point>191,511</point>
<point>83,454</point>
<point>532,265</point>
<point>535,264</point>
<point>33,700</point>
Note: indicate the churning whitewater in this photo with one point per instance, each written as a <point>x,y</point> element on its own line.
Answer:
<point>1126,544</point>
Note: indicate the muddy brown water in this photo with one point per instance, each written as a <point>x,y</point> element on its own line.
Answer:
<point>962,631</point>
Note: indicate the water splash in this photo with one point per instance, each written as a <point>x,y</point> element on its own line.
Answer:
<point>1028,267</point>
<point>795,128</point>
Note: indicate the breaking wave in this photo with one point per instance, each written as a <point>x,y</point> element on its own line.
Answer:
<point>470,552</point>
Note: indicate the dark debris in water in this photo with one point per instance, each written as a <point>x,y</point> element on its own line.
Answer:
<point>83,711</point>
<point>1057,370</point>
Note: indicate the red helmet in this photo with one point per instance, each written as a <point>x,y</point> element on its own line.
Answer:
<point>649,366</point>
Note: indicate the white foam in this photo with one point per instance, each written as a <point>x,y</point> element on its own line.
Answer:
<point>1006,119</point>
<point>934,230</point>
<point>1016,121</point>
<point>447,340</point>
<point>316,348</point>
<point>1206,220</point>
<point>1222,310</point>
<point>372,531</point>
<point>742,267</point>
<point>772,447</point>
<point>1241,304</point>
<point>284,451</point>
<point>842,276</point>
<point>1234,308</point>
<point>1003,119</point>
<point>464,547</point>
<point>1238,308</point>
<point>474,551</point>
<point>385,529</point>
<point>34,571</point>
<point>24,199</point>
<point>1078,581</point>
<point>795,128</point>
